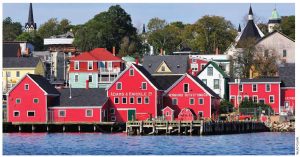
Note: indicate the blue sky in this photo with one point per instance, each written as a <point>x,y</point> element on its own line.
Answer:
<point>79,13</point>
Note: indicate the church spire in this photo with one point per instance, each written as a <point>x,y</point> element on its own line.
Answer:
<point>144,29</point>
<point>30,25</point>
<point>250,14</point>
<point>239,29</point>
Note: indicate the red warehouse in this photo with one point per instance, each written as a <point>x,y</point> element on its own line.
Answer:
<point>28,101</point>
<point>189,97</point>
<point>79,105</point>
<point>259,90</point>
<point>196,65</point>
<point>134,95</point>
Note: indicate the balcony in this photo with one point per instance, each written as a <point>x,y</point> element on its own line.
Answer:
<point>109,70</point>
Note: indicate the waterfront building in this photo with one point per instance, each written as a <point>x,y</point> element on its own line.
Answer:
<point>215,78</point>
<point>190,93</point>
<point>259,90</point>
<point>30,25</point>
<point>134,95</point>
<point>287,76</point>
<point>28,100</point>
<point>14,68</point>
<point>79,105</point>
<point>99,66</point>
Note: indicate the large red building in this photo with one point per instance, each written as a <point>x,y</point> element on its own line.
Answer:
<point>28,101</point>
<point>260,90</point>
<point>190,96</point>
<point>287,75</point>
<point>134,95</point>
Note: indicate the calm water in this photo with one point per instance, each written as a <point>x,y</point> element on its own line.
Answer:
<point>112,144</point>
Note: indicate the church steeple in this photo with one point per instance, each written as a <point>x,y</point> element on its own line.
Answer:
<point>250,14</point>
<point>239,29</point>
<point>144,29</point>
<point>30,25</point>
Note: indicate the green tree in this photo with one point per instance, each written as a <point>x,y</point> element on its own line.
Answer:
<point>156,24</point>
<point>263,27</point>
<point>288,26</point>
<point>226,107</point>
<point>11,29</point>
<point>54,27</point>
<point>107,29</point>
<point>33,38</point>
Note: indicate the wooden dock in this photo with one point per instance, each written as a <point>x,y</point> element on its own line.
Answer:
<point>193,127</point>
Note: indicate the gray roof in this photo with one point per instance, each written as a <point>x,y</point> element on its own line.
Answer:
<point>17,62</point>
<point>44,84</point>
<point>178,64</point>
<point>10,49</point>
<point>166,81</point>
<point>287,74</point>
<point>262,79</point>
<point>148,75</point>
<point>82,97</point>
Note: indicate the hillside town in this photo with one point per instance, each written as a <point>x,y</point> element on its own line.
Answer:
<point>66,83</point>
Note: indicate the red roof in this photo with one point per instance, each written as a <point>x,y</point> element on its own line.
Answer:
<point>104,55</point>
<point>99,54</point>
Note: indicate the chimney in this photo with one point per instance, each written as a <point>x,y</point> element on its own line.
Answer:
<point>114,51</point>
<point>161,51</point>
<point>137,60</point>
<point>217,50</point>
<point>87,84</point>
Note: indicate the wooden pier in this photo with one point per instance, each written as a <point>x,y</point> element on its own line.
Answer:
<point>193,127</point>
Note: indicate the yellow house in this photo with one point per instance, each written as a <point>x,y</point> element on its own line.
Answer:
<point>14,68</point>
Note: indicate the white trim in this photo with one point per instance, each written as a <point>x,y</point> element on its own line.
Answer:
<point>279,101</point>
<point>115,100</point>
<point>75,62</point>
<point>91,112</point>
<point>70,107</point>
<point>130,99</point>
<point>145,100</point>
<point>125,100</point>
<point>239,87</point>
<point>256,87</point>
<point>166,108</point>
<point>138,100</point>
<point>15,111</point>
<point>117,85</point>
<point>255,82</point>
<point>124,109</point>
<point>89,66</point>
<point>131,69</point>
<point>31,111</point>
<point>145,86</point>
<point>266,87</point>
<point>256,98</point>
<point>62,111</point>
<point>90,74</point>
<point>25,86</point>
<point>190,101</point>
<point>37,100</point>
<point>270,99</point>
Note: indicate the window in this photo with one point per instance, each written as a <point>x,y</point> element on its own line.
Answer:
<point>109,65</point>
<point>266,54</point>
<point>18,101</point>
<point>131,100</point>
<point>90,65</point>
<point>254,97</point>
<point>113,118</point>
<point>239,99</point>
<point>30,114</point>
<point>192,101</point>
<point>76,78</point>
<point>254,88</point>
<point>144,85</point>
<point>200,113</point>
<point>163,68</point>
<point>194,67</point>
<point>16,114</point>
<point>268,87</point>
<point>62,113</point>
<point>201,101</point>
<point>216,84</point>
<point>112,111</point>
<point>167,113</point>
<point>119,85</point>
<point>76,65</point>
<point>261,101</point>
<point>35,100</point>
<point>90,78</point>
<point>116,100</point>
<point>89,113</point>
<point>124,100</point>
<point>139,100</point>
<point>174,101</point>
<point>271,99</point>
<point>185,88</point>
<point>8,74</point>
<point>26,86</point>
<point>18,74</point>
<point>241,87</point>
<point>131,72</point>
<point>204,81</point>
<point>146,100</point>
<point>283,53</point>
<point>210,71</point>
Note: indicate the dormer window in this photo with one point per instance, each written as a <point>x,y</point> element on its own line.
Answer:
<point>149,65</point>
<point>178,66</point>
<point>90,65</point>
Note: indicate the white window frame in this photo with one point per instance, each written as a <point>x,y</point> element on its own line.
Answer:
<point>76,75</point>
<point>91,77</point>
<point>86,111</point>
<point>256,98</point>
<point>188,89</point>
<point>37,100</point>
<point>253,88</point>
<point>239,99</point>
<point>190,101</point>
<point>117,85</point>
<point>176,101</point>
<point>270,99</point>
<point>125,100</point>
<point>212,72</point>
<point>202,101</point>
<point>18,99</point>
<point>88,64</point>
<point>131,71</point>
<point>146,101</point>
<point>145,85</point>
<point>109,65</point>
<point>27,86</point>
<point>112,113</point>
<point>130,100</point>
<point>16,112</point>
<point>239,87</point>
<point>115,98</point>
<point>8,74</point>
<point>30,111</point>
<point>59,111</point>
<point>266,87</point>
<point>76,63</point>
<point>138,100</point>
<point>218,80</point>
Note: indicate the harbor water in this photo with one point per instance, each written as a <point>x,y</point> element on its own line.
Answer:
<point>265,143</point>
